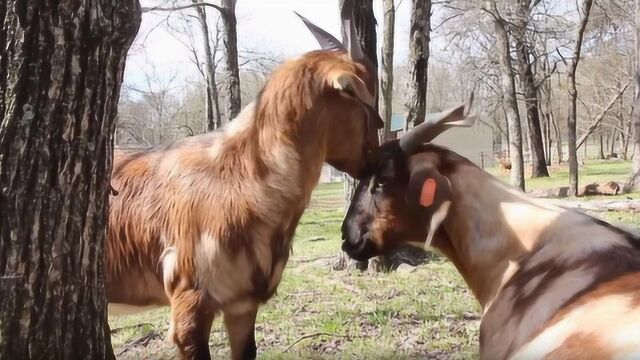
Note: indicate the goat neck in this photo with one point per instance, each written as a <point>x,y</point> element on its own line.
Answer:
<point>490,226</point>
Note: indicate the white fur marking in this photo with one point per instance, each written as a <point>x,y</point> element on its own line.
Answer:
<point>436,220</point>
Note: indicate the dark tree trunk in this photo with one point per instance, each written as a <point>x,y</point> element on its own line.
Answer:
<point>528,85</point>
<point>509,97</point>
<point>386,81</point>
<point>538,163</point>
<point>366,29</point>
<point>573,94</point>
<point>635,113</point>
<point>419,37</point>
<point>365,23</point>
<point>212,100</point>
<point>62,68</point>
<point>601,154</point>
<point>230,42</point>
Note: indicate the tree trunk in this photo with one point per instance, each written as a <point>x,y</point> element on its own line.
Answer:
<point>549,141</point>
<point>61,73</point>
<point>509,98</point>
<point>212,100</point>
<point>573,94</point>
<point>601,154</point>
<point>627,139</point>
<point>232,71</point>
<point>386,80</point>
<point>365,23</point>
<point>419,33</point>
<point>635,114</point>
<point>528,85</point>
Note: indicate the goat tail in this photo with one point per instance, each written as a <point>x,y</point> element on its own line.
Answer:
<point>169,261</point>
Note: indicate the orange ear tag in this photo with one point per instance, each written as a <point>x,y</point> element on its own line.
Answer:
<point>428,192</point>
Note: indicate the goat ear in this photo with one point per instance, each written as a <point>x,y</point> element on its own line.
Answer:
<point>352,86</point>
<point>430,192</point>
<point>326,40</point>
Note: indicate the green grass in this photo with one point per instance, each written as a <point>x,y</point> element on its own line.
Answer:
<point>593,171</point>
<point>428,313</point>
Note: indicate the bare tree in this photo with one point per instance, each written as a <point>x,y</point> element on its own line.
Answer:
<point>154,118</point>
<point>227,10</point>
<point>573,93</point>
<point>61,70</point>
<point>214,120</point>
<point>601,115</point>
<point>386,78</point>
<point>508,95</point>
<point>528,86</point>
<point>419,36</point>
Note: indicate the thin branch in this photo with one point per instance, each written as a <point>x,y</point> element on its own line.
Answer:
<point>601,116</point>
<point>181,7</point>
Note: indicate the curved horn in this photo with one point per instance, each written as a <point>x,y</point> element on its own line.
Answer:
<point>435,124</point>
<point>349,34</point>
<point>326,40</point>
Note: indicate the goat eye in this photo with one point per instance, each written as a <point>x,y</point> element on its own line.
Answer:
<point>382,182</point>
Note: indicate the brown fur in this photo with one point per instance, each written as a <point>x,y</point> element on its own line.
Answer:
<point>581,346</point>
<point>206,223</point>
<point>526,261</point>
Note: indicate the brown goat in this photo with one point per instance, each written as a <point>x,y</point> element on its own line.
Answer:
<point>553,283</point>
<point>205,224</point>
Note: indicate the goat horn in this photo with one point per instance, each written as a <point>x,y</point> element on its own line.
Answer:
<point>437,123</point>
<point>326,40</point>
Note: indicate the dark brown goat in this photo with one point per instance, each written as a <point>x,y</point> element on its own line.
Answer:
<point>553,283</point>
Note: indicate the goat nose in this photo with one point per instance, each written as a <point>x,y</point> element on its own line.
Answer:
<point>353,244</point>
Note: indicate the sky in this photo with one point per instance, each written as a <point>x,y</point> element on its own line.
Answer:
<point>263,25</point>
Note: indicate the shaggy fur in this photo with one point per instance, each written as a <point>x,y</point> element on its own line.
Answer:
<point>205,224</point>
<point>553,283</point>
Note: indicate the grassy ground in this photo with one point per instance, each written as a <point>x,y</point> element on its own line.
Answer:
<point>593,171</point>
<point>320,313</point>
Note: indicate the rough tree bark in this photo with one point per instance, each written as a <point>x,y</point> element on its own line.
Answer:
<point>508,96</point>
<point>214,120</point>
<point>635,115</point>
<point>61,70</point>
<point>386,78</point>
<point>528,86</point>
<point>419,36</point>
<point>232,71</point>
<point>365,23</point>
<point>573,95</point>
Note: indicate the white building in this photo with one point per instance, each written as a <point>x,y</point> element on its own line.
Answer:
<point>476,143</point>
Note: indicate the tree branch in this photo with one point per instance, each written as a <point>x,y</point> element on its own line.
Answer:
<point>181,7</point>
<point>601,115</point>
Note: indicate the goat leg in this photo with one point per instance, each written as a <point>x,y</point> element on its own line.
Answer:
<point>240,325</point>
<point>192,315</point>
